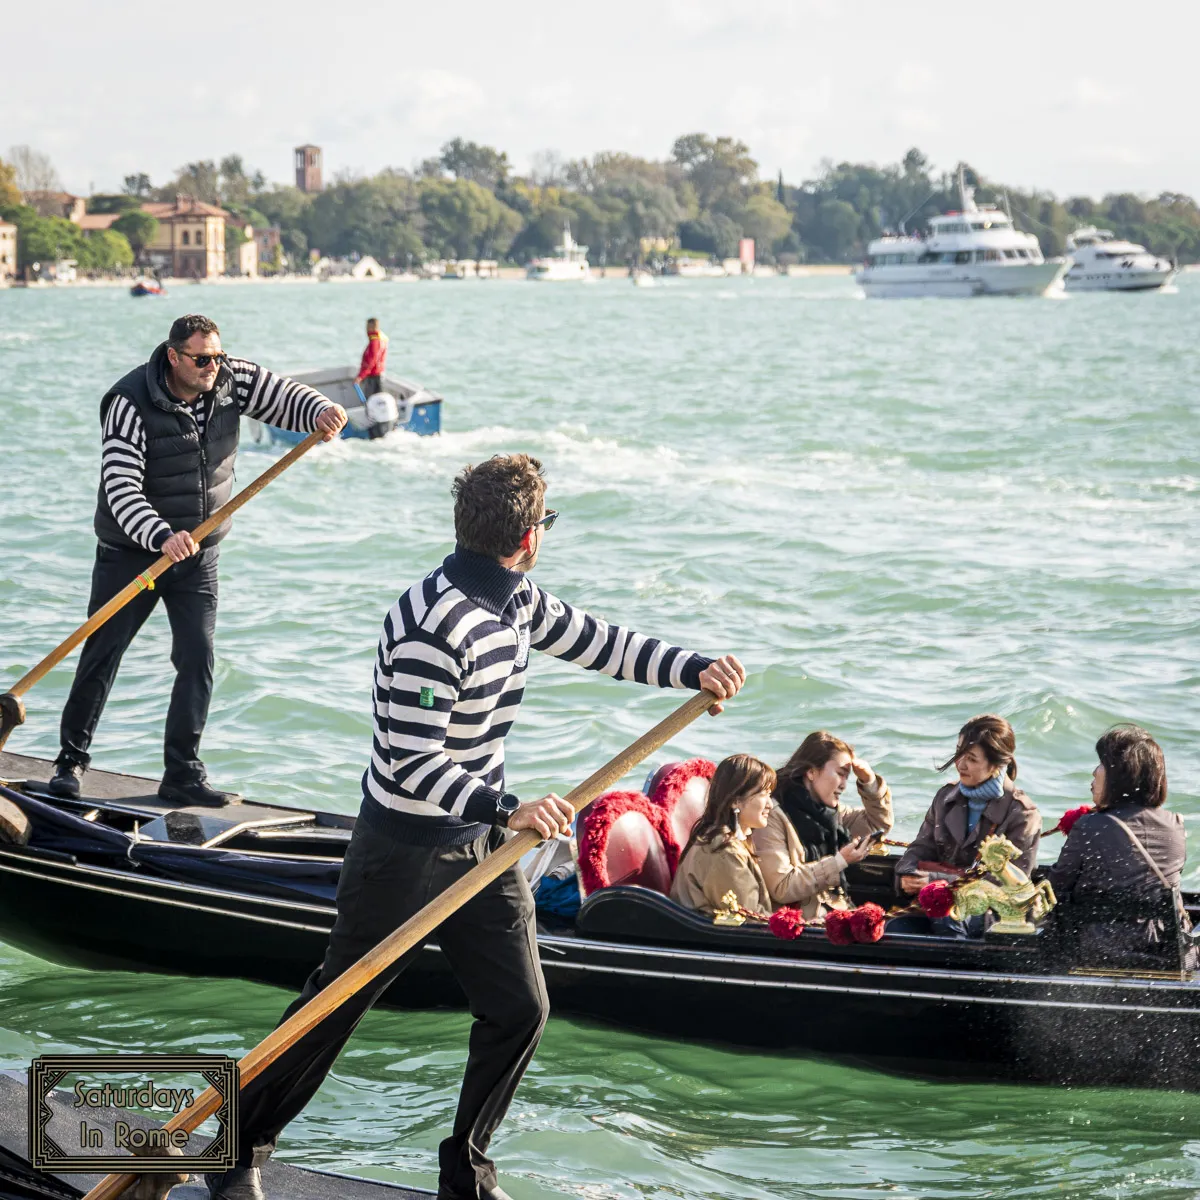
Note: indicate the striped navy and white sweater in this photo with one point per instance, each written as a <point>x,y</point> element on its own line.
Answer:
<point>260,393</point>
<point>449,679</point>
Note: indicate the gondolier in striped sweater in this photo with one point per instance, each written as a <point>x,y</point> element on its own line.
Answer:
<point>170,435</point>
<point>449,679</point>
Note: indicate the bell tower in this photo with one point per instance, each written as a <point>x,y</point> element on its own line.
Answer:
<point>308,168</point>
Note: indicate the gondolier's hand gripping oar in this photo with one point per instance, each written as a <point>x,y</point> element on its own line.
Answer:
<point>12,709</point>
<point>415,930</point>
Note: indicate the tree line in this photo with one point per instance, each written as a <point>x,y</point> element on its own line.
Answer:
<point>467,202</point>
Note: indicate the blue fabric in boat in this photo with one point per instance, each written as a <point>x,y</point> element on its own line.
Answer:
<point>558,896</point>
<point>229,870</point>
<point>54,829</point>
<point>298,879</point>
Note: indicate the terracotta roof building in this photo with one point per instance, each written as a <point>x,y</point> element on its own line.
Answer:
<point>57,204</point>
<point>190,242</point>
<point>93,222</point>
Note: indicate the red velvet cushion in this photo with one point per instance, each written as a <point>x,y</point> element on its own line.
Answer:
<point>621,842</point>
<point>680,790</point>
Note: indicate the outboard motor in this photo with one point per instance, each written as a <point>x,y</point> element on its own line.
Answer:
<point>382,414</point>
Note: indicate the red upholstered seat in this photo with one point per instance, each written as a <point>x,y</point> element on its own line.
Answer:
<point>680,790</point>
<point>621,842</point>
<point>636,855</point>
<point>629,838</point>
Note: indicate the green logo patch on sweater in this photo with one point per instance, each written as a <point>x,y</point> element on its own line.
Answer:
<point>426,697</point>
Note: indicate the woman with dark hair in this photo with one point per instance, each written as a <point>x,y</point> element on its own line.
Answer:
<point>1130,844</point>
<point>719,856</point>
<point>811,837</point>
<point>984,801</point>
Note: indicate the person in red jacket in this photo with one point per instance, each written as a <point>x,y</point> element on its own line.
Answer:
<point>374,359</point>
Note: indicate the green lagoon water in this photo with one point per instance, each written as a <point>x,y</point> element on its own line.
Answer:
<point>898,515</point>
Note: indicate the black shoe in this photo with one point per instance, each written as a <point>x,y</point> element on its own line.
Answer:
<point>242,1183</point>
<point>66,780</point>
<point>185,794</point>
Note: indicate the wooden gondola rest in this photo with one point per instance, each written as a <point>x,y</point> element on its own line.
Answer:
<point>14,824</point>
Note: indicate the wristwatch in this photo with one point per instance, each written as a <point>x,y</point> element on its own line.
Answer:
<point>506,806</point>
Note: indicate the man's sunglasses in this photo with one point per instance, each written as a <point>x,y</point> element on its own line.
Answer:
<point>203,360</point>
<point>548,520</point>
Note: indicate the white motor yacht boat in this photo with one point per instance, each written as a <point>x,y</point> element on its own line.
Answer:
<point>1101,262</point>
<point>696,268</point>
<point>972,252</point>
<point>568,263</point>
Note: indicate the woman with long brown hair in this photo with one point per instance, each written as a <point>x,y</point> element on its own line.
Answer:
<point>719,856</point>
<point>985,800</point>
<point>811,837</point>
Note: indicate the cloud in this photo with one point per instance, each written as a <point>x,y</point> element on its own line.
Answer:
<point>777,123</point>
<point>917,121</point>
<point>1109,154</point>
<point>1090,94</point>
<point>914,79</point>
<point>731,20</point>
<point>433,103</point>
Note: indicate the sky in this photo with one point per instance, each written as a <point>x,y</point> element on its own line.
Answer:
<point>1070,98</point>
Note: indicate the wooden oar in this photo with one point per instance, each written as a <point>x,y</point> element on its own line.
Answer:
<point>415,930</point>
<point>12,708</point>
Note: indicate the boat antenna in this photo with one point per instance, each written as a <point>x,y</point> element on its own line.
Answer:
<point>913,212</point>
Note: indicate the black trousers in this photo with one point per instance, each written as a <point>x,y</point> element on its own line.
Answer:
<point>189,593</point>
<point>491,947</point>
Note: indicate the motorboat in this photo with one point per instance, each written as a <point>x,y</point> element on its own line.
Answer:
<point>1102,262</point>
<point>972,251</point>
<point>696,268</point>
<point>147,287</point>
<point>119,879</point>
<point>568,263</point>
<point>400,405</point>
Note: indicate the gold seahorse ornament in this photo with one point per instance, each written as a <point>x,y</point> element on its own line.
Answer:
<point>1016,899</point>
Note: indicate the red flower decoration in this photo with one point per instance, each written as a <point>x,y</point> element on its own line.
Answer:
<point>787,923</point>
<point>1069,818</point>
<point>866,923</point>
<point>838,929</point>
<point>936,899</point>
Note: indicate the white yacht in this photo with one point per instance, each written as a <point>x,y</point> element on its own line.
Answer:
<point>1101,262</point>
<point>567,264</point>
<point>696,268</point>
<point>974,252</point>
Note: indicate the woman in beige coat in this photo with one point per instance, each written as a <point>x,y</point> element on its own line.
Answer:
<point>719,857</point>
<point>811,837</point>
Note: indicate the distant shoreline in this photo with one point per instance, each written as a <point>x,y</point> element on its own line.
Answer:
<point>801,270</point>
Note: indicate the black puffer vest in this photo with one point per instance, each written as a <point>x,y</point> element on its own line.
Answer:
<point>187,478</point>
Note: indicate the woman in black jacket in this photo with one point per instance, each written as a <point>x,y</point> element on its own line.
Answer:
<point>1128,851</point>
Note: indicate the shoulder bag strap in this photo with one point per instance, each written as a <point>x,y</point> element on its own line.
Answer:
<point>1137,845</point>
<point>1184,923</point>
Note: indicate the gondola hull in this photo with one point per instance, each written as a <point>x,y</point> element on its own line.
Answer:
<point>918,1004</point>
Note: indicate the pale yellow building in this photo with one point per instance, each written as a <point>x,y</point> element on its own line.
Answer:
<point>242,259</point>
<point>8,252</point>
<point>190,242</point>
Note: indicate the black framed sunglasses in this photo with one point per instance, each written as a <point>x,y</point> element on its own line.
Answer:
<point>548,520</point>
<point>203,360</point>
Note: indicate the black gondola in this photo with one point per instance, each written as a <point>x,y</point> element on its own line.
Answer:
<point>247,892</point>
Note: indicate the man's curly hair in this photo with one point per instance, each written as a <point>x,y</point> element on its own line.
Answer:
<point>496,501</point>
